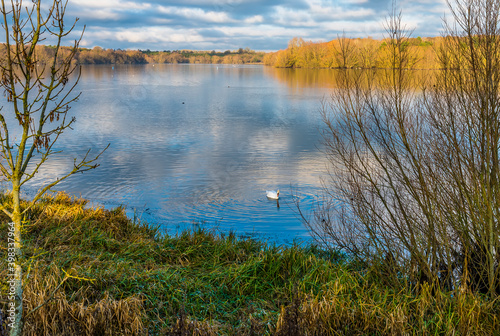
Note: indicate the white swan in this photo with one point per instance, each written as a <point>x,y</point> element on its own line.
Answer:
<point>273,194</point>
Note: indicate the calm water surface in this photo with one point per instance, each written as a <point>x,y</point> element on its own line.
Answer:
<point>199,143</point>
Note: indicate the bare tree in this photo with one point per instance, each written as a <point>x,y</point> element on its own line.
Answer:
<point>345,52</point>
<point>464,110</point>
<point>414,180</point>
<point>39,99</point>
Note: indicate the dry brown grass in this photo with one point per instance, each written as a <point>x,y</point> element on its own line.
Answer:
<point>351,308</point>
<point>75,314</point>
<point>185,326</point>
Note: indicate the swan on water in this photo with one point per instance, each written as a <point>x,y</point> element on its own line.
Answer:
<point>273,194</point>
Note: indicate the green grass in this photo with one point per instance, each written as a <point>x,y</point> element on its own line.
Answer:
<point>127,278</point>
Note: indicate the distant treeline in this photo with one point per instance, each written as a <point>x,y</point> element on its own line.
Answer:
<point>339,53</point>
<point>240,56</point>
<point>98,55</point>
<point>344,52</point>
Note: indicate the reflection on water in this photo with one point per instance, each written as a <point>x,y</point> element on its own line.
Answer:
<point>299,80</point>
<point>198,143</point>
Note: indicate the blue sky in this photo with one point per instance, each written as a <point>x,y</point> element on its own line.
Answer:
<point>231,24</point>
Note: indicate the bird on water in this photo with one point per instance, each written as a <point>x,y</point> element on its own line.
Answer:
<point>273,194</point>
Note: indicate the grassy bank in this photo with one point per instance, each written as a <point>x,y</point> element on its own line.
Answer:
<point>105,275</point>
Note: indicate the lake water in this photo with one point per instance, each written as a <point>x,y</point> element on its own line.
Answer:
<point>199,144</point>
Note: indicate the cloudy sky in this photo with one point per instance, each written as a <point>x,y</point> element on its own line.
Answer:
<point>231,24</point>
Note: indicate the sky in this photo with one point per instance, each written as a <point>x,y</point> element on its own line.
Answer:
<point>262,25</point>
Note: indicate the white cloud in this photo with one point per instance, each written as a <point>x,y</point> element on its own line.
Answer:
<point>263,31</point>
<point>321,12</point>
<point>289,17</point>
<point>112,5</point>
<point>373,29</point>
<point>254,19</point>
<point>105,9</point>
<point>354,2</point>
<point>101,14</point>
<point>196,14</point>
<point>144,35</point>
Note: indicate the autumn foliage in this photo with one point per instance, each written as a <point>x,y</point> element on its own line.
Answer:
<point>345,52</point>
<point>98,55</point>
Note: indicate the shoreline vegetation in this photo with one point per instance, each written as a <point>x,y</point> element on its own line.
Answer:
<point>97,272</point>
<point>340,53</point>
<point>98,55</point>
<point>348,53</point>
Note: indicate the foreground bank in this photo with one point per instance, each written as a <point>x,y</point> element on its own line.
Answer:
<point>95,272</point>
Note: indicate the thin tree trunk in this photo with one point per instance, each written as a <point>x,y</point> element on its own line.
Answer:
<point>18,272</point>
